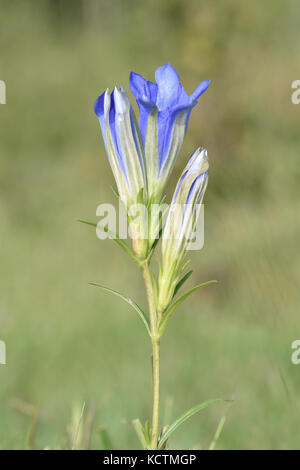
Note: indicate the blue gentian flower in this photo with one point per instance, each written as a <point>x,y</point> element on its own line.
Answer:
<point>181,222</point>
<point>123,145</point>
<point>126,157</point>
<point>164,109</point>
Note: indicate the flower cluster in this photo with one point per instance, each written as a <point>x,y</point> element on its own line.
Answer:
<point>142,157</point>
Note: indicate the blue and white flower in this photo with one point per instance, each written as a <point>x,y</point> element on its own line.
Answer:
<point>126,157</point>
<point>164,109</point>
<point>123,145</point>
<point>180,223</point>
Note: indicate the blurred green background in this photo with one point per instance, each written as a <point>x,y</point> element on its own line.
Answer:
<point>68,342</point>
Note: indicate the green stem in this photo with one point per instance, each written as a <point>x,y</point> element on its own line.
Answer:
<point>156,385</point>
<point>155,354</point>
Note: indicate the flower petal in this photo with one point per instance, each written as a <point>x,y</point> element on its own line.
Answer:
<point>171,122</point>
<point>201,88</point>
<point>101,107</point>
<point>145,93</point>
<point>169,86</point>
<point>141,88</point>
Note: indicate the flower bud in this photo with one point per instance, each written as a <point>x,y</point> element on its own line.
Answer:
<point>126,157</point>
<point>180,223</point>
<point>123,145</point>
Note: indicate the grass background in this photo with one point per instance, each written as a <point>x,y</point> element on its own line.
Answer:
<point>68,342</point>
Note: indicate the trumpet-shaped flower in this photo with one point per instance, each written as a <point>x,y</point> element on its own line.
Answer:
<point>164,109</point>
<point>126,157</point>
<point>180,223</point>
<point>123,146</point>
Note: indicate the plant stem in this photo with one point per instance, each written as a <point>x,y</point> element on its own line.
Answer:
<point>156,385</point>
<point>155,354</point>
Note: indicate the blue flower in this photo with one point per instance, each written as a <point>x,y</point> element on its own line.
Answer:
<point>123,144</point>
<point>181,222</point>
<point>164,109</point>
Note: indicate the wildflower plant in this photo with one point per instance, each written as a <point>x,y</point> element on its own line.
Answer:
<point>142,157</point>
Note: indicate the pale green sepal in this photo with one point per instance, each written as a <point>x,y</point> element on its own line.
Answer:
<point>152,249</point>
<point>182,281</point>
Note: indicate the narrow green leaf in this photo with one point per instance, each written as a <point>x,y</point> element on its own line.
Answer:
<point>184,266</point>
<point>129,301</point>
<point>117,195</point>
<point>113,237</point>
<point>181,282</point>
<point>94,224</point>
<point>162,432</point>
<point>185,416</point>
<point>139,432</point>
<point>156,240</point>
<point>178,301</point>
<point>115,192</point>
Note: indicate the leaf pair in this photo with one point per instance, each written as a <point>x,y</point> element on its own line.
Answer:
<point>142,314</point>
